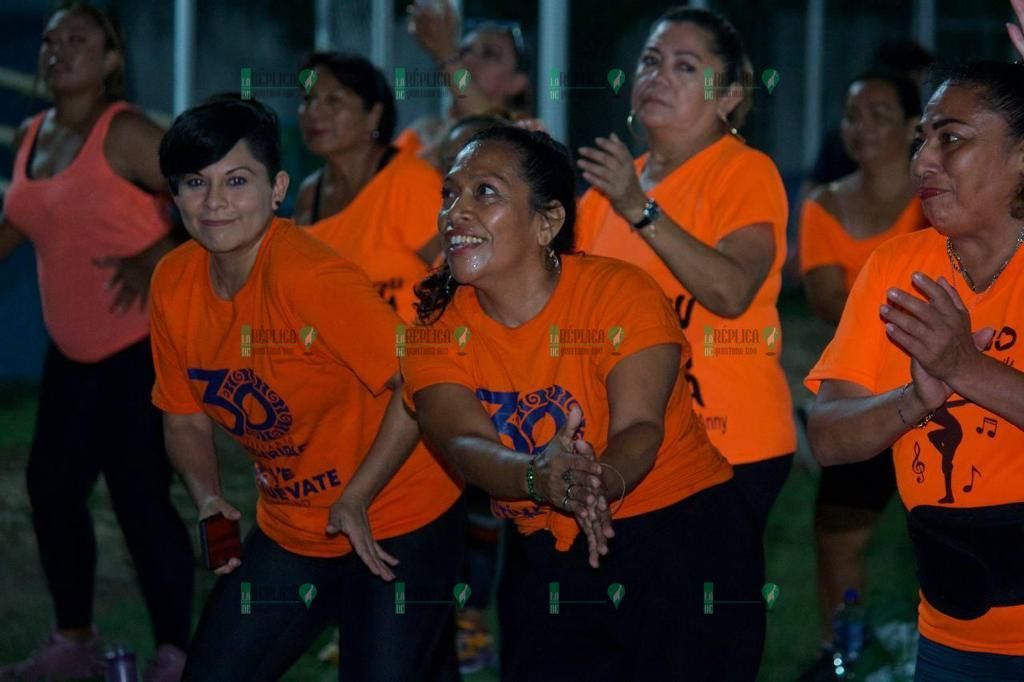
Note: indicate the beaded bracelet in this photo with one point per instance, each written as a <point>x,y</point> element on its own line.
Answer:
<point>530,486</point>
<point>919,425</point>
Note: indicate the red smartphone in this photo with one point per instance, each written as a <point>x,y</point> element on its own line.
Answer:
<point>219,540</point>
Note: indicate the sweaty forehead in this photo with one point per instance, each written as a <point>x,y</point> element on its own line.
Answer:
<point>960,102</point>
<point>485,157</point>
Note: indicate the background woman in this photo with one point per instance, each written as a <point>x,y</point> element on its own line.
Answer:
<point>705,215</point>
<point>924,361</point>
<point>312,400</point>
<point>841,224</point>
<point>554,359</point>
<point>493,52</point>
<point>373,205</point>
<point>85,192</point>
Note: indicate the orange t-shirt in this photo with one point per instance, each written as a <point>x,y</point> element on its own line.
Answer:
<point>295,369</point>
<point>824,242</point>
<point>987,466</point>
<point>528,379</point>
<point>409,141</point>
<point>737,383</point>
<point>391,219</point>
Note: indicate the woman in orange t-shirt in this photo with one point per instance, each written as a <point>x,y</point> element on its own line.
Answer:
<point>554,382</point>
<point>927,360</point>
<point>841,224</point>
<point>373,204</point>
<point>266,332</point>
<point>705,215</point>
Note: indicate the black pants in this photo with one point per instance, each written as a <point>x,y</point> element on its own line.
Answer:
<point>98,418</point>
<point>760,483</point>
<point>376,642</point>
<point>660,629</point>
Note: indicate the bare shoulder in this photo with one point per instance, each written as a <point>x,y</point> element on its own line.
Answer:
<point>20,134</point>
<point>130,127</point>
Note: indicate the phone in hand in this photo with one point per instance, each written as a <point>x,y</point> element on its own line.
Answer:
<point>219,541</point>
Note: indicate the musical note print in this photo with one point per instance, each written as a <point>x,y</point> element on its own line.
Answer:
<point>970,486</point>
<point>988,422</point>
<point>918,465</point>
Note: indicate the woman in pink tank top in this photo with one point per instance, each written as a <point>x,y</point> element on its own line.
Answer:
<point>86,192</point>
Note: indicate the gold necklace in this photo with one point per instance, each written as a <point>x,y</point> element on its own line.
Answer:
<point>958,265</point>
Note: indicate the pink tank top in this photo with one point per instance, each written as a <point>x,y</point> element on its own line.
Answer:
<point>84,212</point>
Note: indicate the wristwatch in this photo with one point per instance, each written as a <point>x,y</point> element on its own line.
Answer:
<point>651,213</point>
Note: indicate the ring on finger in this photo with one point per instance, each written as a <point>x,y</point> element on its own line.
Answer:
<point>565,501</point>
<point>568,491</point>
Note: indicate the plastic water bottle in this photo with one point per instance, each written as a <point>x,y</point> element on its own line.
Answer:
<point>848,629</point>
<point>121,665</point>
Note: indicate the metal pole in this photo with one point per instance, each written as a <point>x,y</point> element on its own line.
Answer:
<point>382,24</point>
<point>924,23</point>
<point>323,25</point>
<point>184,54</point>
<point>814,48</point>
<point>553,56</point>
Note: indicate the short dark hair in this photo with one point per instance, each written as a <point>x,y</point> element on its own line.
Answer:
<point>546,166</point>
<point>204,134</point>
<point>907,92</point>
<point>359,75</point>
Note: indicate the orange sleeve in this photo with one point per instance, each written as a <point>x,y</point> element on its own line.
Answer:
<point>817,243</point>
<point>353,324</point>
<point>421,370</point>
<point>637,315</point>
<point>855,352</point>
<point>172,391</point>
<point>416,217</point>
<point>750,192</point>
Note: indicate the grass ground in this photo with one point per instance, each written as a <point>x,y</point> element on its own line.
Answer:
<point>26,616</point>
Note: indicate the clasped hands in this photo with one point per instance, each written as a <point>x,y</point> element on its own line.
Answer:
<point>568,476</point>
<point>936,333</point>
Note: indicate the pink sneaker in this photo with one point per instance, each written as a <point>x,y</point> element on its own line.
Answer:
<point>166,665</point>
<point>59,658</point>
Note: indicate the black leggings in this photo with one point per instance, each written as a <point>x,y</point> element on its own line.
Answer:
<point>760,483</point>
<point>376,642</point>
<point>98,418</point>
<point>660,630</point>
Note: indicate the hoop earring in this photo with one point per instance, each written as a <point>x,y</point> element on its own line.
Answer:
<point>629,127</point>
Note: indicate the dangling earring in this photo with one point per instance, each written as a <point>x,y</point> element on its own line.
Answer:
<point>629,127</point>
<point>448,282</point>
<point>554,264</point>
<point>730,128</point>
